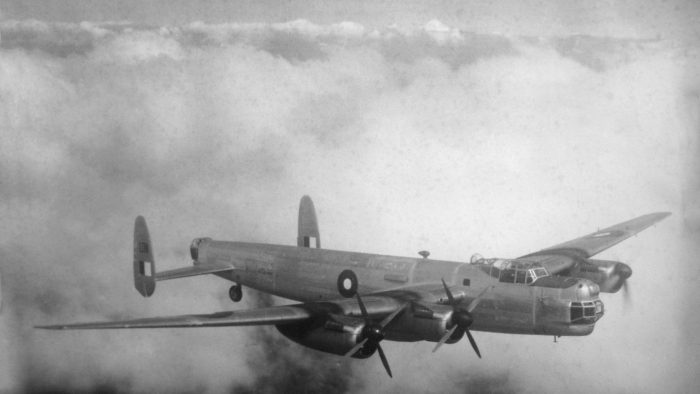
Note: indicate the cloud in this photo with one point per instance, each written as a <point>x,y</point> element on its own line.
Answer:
<point>427,138</point>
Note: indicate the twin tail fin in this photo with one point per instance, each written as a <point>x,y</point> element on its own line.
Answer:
<point>144,264</point>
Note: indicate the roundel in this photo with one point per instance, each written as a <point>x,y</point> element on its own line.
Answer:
<point>347,283</point>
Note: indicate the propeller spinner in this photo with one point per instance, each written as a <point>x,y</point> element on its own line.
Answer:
<point>461,318</point>
<point>374,333</point>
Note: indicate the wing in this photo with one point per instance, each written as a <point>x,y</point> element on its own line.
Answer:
<point>263,316</point>
<point>564,255</point>
<point>377,307</point>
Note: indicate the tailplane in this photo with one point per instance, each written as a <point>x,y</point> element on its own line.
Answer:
<point>308,225</point>
<point>144,264</point>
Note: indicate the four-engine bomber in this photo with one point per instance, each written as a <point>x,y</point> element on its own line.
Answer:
<point>349,302</point>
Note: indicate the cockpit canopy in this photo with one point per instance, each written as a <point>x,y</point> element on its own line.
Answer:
<point>513,271</point>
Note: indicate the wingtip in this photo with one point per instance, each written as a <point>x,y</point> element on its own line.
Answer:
<point>660,215</point>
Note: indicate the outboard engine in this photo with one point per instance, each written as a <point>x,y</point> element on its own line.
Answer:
<point>609,275</point>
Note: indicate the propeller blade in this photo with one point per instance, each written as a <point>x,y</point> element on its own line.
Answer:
<point>473,342</point>
<point>448,292</point>
<point>362,307</point>
<point>445,338</point>
<point>626,293</point>
<point>475,302</point>
<point>384,360</point>
<point>391,317</point>
<point>463,317</point>
<point>356,348</point>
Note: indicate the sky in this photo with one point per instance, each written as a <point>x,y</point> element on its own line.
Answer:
<point>492,128</point>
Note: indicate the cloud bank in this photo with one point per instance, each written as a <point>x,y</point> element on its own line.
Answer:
<point>406,139</point>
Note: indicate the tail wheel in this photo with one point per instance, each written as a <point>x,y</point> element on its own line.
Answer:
<point>235,293</point>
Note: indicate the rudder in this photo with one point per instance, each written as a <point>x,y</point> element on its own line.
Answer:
<point>144,264</point>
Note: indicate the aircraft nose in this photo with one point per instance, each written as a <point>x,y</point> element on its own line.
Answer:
<point>623,270</point>
<point>587,289</point>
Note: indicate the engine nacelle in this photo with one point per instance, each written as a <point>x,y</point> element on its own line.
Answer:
<point>336,335</point>
<point>608,275</point>
<point>420,323</point>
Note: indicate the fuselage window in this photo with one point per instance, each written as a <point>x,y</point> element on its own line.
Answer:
<point>507,276</point>
<point>495,272</point>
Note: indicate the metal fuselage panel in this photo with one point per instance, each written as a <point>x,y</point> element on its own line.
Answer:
<point>310,274</point>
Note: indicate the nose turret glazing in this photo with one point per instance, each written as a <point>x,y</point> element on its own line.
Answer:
<point>586,308</point>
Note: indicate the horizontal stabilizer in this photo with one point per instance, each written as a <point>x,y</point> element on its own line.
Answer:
<point>199,269</point>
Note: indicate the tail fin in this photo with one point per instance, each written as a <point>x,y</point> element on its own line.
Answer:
<point>308,225</point>
<point>144,265</point>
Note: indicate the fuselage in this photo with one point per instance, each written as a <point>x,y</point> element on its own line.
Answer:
<point>550,305</point>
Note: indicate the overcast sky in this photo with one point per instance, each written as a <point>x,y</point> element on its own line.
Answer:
<point>457,128</point>
<point>532,17</point>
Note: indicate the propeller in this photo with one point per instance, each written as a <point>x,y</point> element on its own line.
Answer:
<point>627,297</point>
<point>623,272</point>
<point>374,333</point>
<point>461,318</point>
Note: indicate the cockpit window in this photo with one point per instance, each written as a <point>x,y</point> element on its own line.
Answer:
<point>513,271</point>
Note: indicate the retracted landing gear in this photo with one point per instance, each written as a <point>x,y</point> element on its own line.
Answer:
<point>235,293</point>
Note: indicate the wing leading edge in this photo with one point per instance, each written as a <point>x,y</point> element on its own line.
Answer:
<point>263,316</point>
<point>377,307</point>
<point>594,243</point>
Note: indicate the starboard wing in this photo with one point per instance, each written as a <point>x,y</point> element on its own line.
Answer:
<point>562,256</point>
